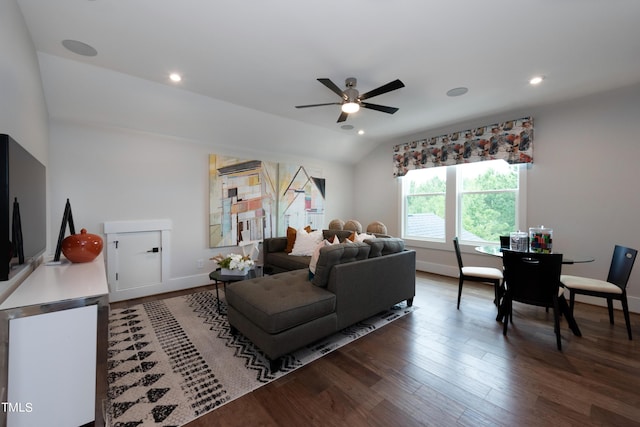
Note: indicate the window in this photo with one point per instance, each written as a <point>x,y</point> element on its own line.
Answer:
<point>425,193</point>
<point>478,202</point>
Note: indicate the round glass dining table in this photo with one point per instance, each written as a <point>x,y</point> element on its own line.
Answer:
<point>496,250</point>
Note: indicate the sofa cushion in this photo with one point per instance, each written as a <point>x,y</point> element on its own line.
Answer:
<point>384,246</point>
<point>280,302</point>
<point>338,254</point>
<point>274,244</point>
<point>342,234</point>
<point>284,261</point>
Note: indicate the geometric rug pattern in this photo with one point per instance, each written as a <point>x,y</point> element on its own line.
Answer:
<point>172,360</point>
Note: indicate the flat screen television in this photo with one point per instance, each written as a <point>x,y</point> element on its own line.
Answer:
<point>23,186</point>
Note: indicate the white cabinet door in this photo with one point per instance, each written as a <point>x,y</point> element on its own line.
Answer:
<point>52,368</point>
<point>138,259</point>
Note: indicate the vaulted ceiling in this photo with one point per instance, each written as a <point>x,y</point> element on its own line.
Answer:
<point>245,65</point>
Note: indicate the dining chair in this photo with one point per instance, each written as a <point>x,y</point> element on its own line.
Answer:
<point>534,279</point>
<point>615,287</point>
<point>478,274</point>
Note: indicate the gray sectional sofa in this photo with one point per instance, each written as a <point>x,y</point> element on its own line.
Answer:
<point>353,281</point>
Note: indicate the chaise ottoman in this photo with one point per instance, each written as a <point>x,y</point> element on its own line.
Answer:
<point>281,313</point>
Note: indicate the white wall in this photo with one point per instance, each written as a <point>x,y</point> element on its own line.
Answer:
<point>112,174</point>
<point>583,183</point>
<point>117,175</point>
<point>23,113</point>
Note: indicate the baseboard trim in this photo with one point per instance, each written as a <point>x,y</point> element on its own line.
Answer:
<point>176,284</point>
<point>447,270</point>
<point>188,282</point>
<point>441,269</point>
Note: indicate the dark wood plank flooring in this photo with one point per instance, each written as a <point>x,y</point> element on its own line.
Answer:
<point>443,367</point>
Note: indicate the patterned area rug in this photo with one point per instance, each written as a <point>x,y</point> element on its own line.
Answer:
<point>173,360</point>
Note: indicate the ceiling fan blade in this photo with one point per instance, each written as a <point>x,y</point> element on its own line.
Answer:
<point>377,107</point>
<point>318,105</point>
<point>343,117</point>
<point>331,85</point>
<point>396,84</point>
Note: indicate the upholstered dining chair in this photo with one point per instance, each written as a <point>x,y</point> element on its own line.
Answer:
<point>534,279</point>
<point>477,274</point>
<point>615,287</point>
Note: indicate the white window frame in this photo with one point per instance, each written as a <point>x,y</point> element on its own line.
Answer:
<point>452,201</point>
<point>403,202</point>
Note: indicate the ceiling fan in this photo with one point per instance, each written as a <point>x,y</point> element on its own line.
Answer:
<point>352,100</point>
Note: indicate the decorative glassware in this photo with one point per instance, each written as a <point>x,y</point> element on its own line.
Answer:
<point>518,241</point>
<point>540,239</point>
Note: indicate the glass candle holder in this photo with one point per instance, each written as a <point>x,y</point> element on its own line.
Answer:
<point>518,241</point>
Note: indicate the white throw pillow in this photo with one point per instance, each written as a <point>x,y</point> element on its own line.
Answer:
<point>361,237</point>
<point>316,255</point>
<point>316,252</point>
<point>306,242</point>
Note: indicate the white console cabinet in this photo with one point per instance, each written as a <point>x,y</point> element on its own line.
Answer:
<point>53,332</point>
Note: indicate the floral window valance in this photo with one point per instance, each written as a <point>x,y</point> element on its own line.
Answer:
<point>511,141</point>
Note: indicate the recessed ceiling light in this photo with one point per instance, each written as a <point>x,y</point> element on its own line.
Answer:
<point>175,77</point>
<point>458,91</point>
<point>79,48</point>
<point>536,80</point>
<point>361,132</point>
<point>346,127</point>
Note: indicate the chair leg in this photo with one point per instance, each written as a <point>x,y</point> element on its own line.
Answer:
<point>572,299</point>
<point>460,291</point>
<point>568,312</point>
<point>506,303</point>
<point>610,307</point>
<point>625,310</point>
<point>556,323</point>
<point>502,309</point>
<point>505,321</point>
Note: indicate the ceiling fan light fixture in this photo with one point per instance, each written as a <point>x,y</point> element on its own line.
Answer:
<point>351,100</point>
<point>350,107</point>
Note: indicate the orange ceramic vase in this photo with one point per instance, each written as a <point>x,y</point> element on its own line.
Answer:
<point>83,247</point>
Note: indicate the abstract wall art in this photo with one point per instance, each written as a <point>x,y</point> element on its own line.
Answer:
<point>250,200</point>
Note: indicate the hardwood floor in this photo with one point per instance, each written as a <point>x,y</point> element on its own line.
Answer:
<point>440,367</point>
